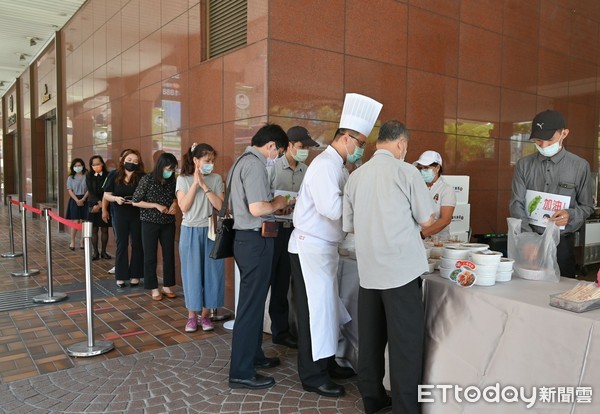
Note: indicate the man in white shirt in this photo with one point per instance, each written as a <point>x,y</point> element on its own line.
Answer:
<point>313,249</point>
<point>286,175</point>
<point>385,203</point>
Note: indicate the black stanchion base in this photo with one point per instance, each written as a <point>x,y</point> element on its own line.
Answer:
<point>45,298</point>
<point>215,317</point>
<point>23,273</point>
<point>82,349</point>
<point>11,255</point>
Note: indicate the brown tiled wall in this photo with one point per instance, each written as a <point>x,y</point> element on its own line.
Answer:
<point>465,75</point>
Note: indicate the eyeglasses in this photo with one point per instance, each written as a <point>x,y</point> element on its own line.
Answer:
<point>361,144</point>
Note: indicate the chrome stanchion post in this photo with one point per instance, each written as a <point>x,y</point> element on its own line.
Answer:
<point>26,271</point>
<point>10,233</point>
<point>50,296</point>
<point>89,348</point>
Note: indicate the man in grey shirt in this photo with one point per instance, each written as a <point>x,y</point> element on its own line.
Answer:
<point>249,200</point>
<point>386,202</point>
<point>553,169</point>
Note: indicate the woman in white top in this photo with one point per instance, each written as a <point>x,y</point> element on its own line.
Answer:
<point>199,191</point>
<point>442,194</point>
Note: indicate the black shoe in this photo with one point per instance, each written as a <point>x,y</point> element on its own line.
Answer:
<point>105,255</point>
<point>95,256</point>
<point>339,372</point>
<point>121,285</point>
<point>71,247</point>
<point>372,406</point>
<point>330,389</point>
<point>288,341</point>
<point>256,382</point>
<point>268,363</point>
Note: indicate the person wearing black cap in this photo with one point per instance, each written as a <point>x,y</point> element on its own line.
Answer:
<point>286,175</point>
<point>554,170</point>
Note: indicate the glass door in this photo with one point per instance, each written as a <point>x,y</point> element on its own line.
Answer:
<point>51,160</point>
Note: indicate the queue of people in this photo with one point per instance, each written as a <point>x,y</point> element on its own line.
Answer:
<point>290,217</point>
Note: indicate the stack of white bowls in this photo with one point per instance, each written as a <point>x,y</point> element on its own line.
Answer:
<point>505,270</point>
<point>486,266</point>
<point>451,255</point>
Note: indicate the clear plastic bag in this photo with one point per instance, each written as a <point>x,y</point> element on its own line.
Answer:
<point>534,254</point>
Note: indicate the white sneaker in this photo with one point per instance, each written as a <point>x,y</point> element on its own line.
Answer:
<point>112,271</point>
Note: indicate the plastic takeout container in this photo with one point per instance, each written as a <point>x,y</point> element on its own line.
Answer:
<point>572,306</point>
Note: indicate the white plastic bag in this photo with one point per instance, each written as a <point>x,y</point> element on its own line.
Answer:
<point>534,254</point>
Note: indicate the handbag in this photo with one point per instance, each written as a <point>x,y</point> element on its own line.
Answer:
<point>224,233</point>
<point>224,236</point>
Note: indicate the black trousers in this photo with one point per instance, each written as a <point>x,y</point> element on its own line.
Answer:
<point>254,257</point>
<point>152,233</point>
<point>311,373</point>
<point>279,308</point>
<point>128,228</point>
<point>394,317</point>
<point>565,255</point>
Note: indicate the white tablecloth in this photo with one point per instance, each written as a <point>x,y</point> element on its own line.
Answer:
<point>508,334</point>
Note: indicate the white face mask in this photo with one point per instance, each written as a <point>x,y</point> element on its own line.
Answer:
<point>550,150</point>
<point>271,161</point>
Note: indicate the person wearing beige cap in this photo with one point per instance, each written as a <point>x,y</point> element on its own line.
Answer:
<point>286,175</point>
<point>553,169</point>
<point>313,249</point>
<point>442,194</point>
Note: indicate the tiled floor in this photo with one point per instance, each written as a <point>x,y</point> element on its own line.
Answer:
<point>155,367</point>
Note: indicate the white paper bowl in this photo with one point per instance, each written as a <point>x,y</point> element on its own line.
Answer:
<point>445,273</point>
<point>428,251</point>
<point>486,257</point>
<point>456,253</point>
<point>486,269</point>
<point>448,263</point>
<point>506,265</point>
<point>504,276</point>
<point>431,263</point>
<point>531,274</point>
<point>475,246</point>
<point>485,281</point>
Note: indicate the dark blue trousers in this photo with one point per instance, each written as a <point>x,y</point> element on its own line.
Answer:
<point>254,257</point>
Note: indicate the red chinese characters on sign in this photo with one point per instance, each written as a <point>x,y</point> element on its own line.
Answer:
<point>552,205</point>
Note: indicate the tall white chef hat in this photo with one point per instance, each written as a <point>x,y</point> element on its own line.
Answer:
<point>359,113</point>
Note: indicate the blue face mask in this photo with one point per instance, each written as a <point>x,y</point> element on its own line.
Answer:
<point>427,174</point>
<point>355,156</point>
<point>207,168</point>
<point>78,169</point>
<point>550,150</point>
<point>167,174</point>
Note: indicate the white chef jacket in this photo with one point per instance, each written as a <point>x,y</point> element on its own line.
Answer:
<point>317,232</point>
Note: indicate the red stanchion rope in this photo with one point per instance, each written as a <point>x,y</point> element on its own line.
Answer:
<point>15,202</point>
<point>32,209</point>
<point>68,223</point>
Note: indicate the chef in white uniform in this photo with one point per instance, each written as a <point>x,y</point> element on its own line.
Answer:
<point>313,248</point>
<point>442,194</point>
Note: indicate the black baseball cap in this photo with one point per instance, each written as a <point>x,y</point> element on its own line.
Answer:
<point>299,133</point>
<point>545,124</point>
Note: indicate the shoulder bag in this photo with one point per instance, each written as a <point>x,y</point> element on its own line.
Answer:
<point>224,232</point>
